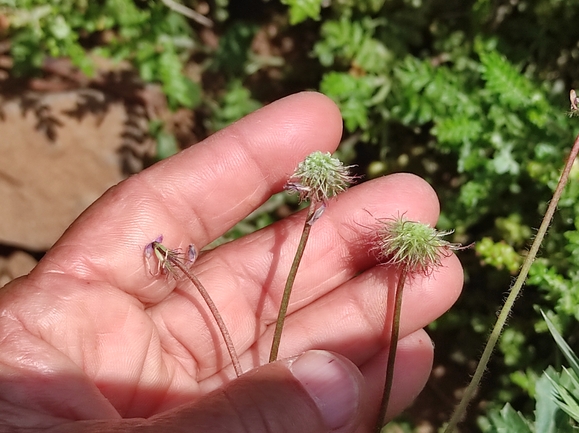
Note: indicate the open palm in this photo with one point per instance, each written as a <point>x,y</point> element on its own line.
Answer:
<point>91,334</point>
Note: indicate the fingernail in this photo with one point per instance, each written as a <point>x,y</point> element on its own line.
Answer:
<point>330,383</point>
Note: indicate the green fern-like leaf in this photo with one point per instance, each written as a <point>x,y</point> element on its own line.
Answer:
<point>504,80</point>
<point>352,94</point>
<point>235,103</point>
<point>352,44</point>
<point>457,129</point>
<point>513,88</point>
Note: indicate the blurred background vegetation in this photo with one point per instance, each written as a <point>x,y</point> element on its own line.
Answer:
<point>472,95</point>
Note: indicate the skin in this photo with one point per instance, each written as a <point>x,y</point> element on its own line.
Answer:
<point>91,341</point>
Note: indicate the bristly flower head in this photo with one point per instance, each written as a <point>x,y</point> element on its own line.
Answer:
<point>319,177</point>
<point>413,245</point>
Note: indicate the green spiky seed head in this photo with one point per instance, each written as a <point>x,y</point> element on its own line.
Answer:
<point>319,177</point>
<point>413,245</point>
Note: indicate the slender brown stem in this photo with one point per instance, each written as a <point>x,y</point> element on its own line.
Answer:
<point>394,333</point>
<point>514,293</point>
<point>290,282</point>
<point>214,312</point>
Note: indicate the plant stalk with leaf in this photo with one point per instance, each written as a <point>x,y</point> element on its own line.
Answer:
<point>171,262</point>
<point>413,248</point>
<point>519,282</point>
<point>317,178</point>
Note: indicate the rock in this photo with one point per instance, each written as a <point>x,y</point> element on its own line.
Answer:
<point>15,265</point>
<point>58,153</point>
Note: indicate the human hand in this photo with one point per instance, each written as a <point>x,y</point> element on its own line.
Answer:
<point>90,341</point>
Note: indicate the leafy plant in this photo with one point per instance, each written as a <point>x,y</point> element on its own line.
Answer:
<point>235,103</point>
<point>556,395</point>
<point>300,10</point>
<point>514,291</point>
<point>157,40</point>
<point>482,116</point>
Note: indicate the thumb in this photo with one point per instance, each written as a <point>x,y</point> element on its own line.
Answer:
<point>315,392</point>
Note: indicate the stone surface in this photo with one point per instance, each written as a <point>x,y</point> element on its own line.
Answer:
<point>15,265</point>
<point>58,153</point>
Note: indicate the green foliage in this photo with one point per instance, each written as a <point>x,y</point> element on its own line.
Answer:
<point>550,418</point>
<point>351,44</point>
<point>235,103</point>
<point>166,143</point>
<point>232,54</point>
<point>556,395</point>
<point>155,39</point>
<point>483,118</point>
<point>353,94</point>
<point>300,10</point>
<point>42,29</point>
<point>507,420</point>
<point>499,254</point>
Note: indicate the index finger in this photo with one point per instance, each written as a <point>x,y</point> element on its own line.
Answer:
<point>197,195</point>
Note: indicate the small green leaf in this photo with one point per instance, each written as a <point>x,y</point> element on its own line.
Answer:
<point>236,102</point>
<point>300,10</point>
<point>546,408</point>
<point>352,94</point>
<point>60,28</point>
<point>508,421</point>
<point>166,145</point>
<point>563,346</point>
<point>498,254</point>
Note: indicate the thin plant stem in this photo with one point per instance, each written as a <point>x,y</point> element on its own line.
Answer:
<point>214,311</point>
<point>188,12</point>
<point>290,282</point>
<point>394,333</point>
<point>514,293</point>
